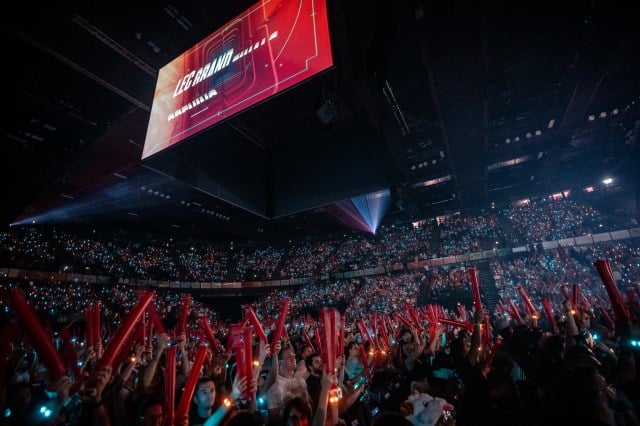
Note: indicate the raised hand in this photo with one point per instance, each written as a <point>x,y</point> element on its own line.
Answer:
<point>99,379</point>
<point>163,341</point>
<point>62,387</point>
<point>238,387</point>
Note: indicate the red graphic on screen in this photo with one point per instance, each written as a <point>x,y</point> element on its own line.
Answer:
<point>270,47</point>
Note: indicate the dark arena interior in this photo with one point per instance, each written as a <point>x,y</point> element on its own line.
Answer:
<point>321,211</point>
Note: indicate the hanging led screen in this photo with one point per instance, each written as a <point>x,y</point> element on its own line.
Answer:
<point>272,46</point>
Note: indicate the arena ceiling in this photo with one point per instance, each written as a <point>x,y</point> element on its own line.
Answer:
<point>463,103</point>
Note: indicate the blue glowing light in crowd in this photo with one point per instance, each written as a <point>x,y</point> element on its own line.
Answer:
<point>46,412</point>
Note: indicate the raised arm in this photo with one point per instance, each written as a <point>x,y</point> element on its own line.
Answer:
<point>126,372</point>
<point>264,350</point>
<point>238,387</point>
<point>182,350</point>
<point>476,338</point>
<point>97,412</point>
<point>324,415</point>
<point>275,369</point>
<point>434,344</point>
<point>571,328</point>
<point>150,370</point>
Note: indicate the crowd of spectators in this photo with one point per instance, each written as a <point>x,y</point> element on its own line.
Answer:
<point>563,218</point>
<point>544,274</point>
<point>405,241</point>
<point>515,376</point>
<point>126,255</point>
<point>406,359</point>
<point>446,283</point>
<point>307,259</point>
<point>464,234</point>
<point>257,263</point>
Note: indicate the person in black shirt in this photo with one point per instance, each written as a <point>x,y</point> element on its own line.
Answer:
<point>466,350</point>
<point>314,367</point>
<point>204,398</point>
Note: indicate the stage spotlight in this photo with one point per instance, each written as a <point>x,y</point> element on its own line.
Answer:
<point>364,212</point>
